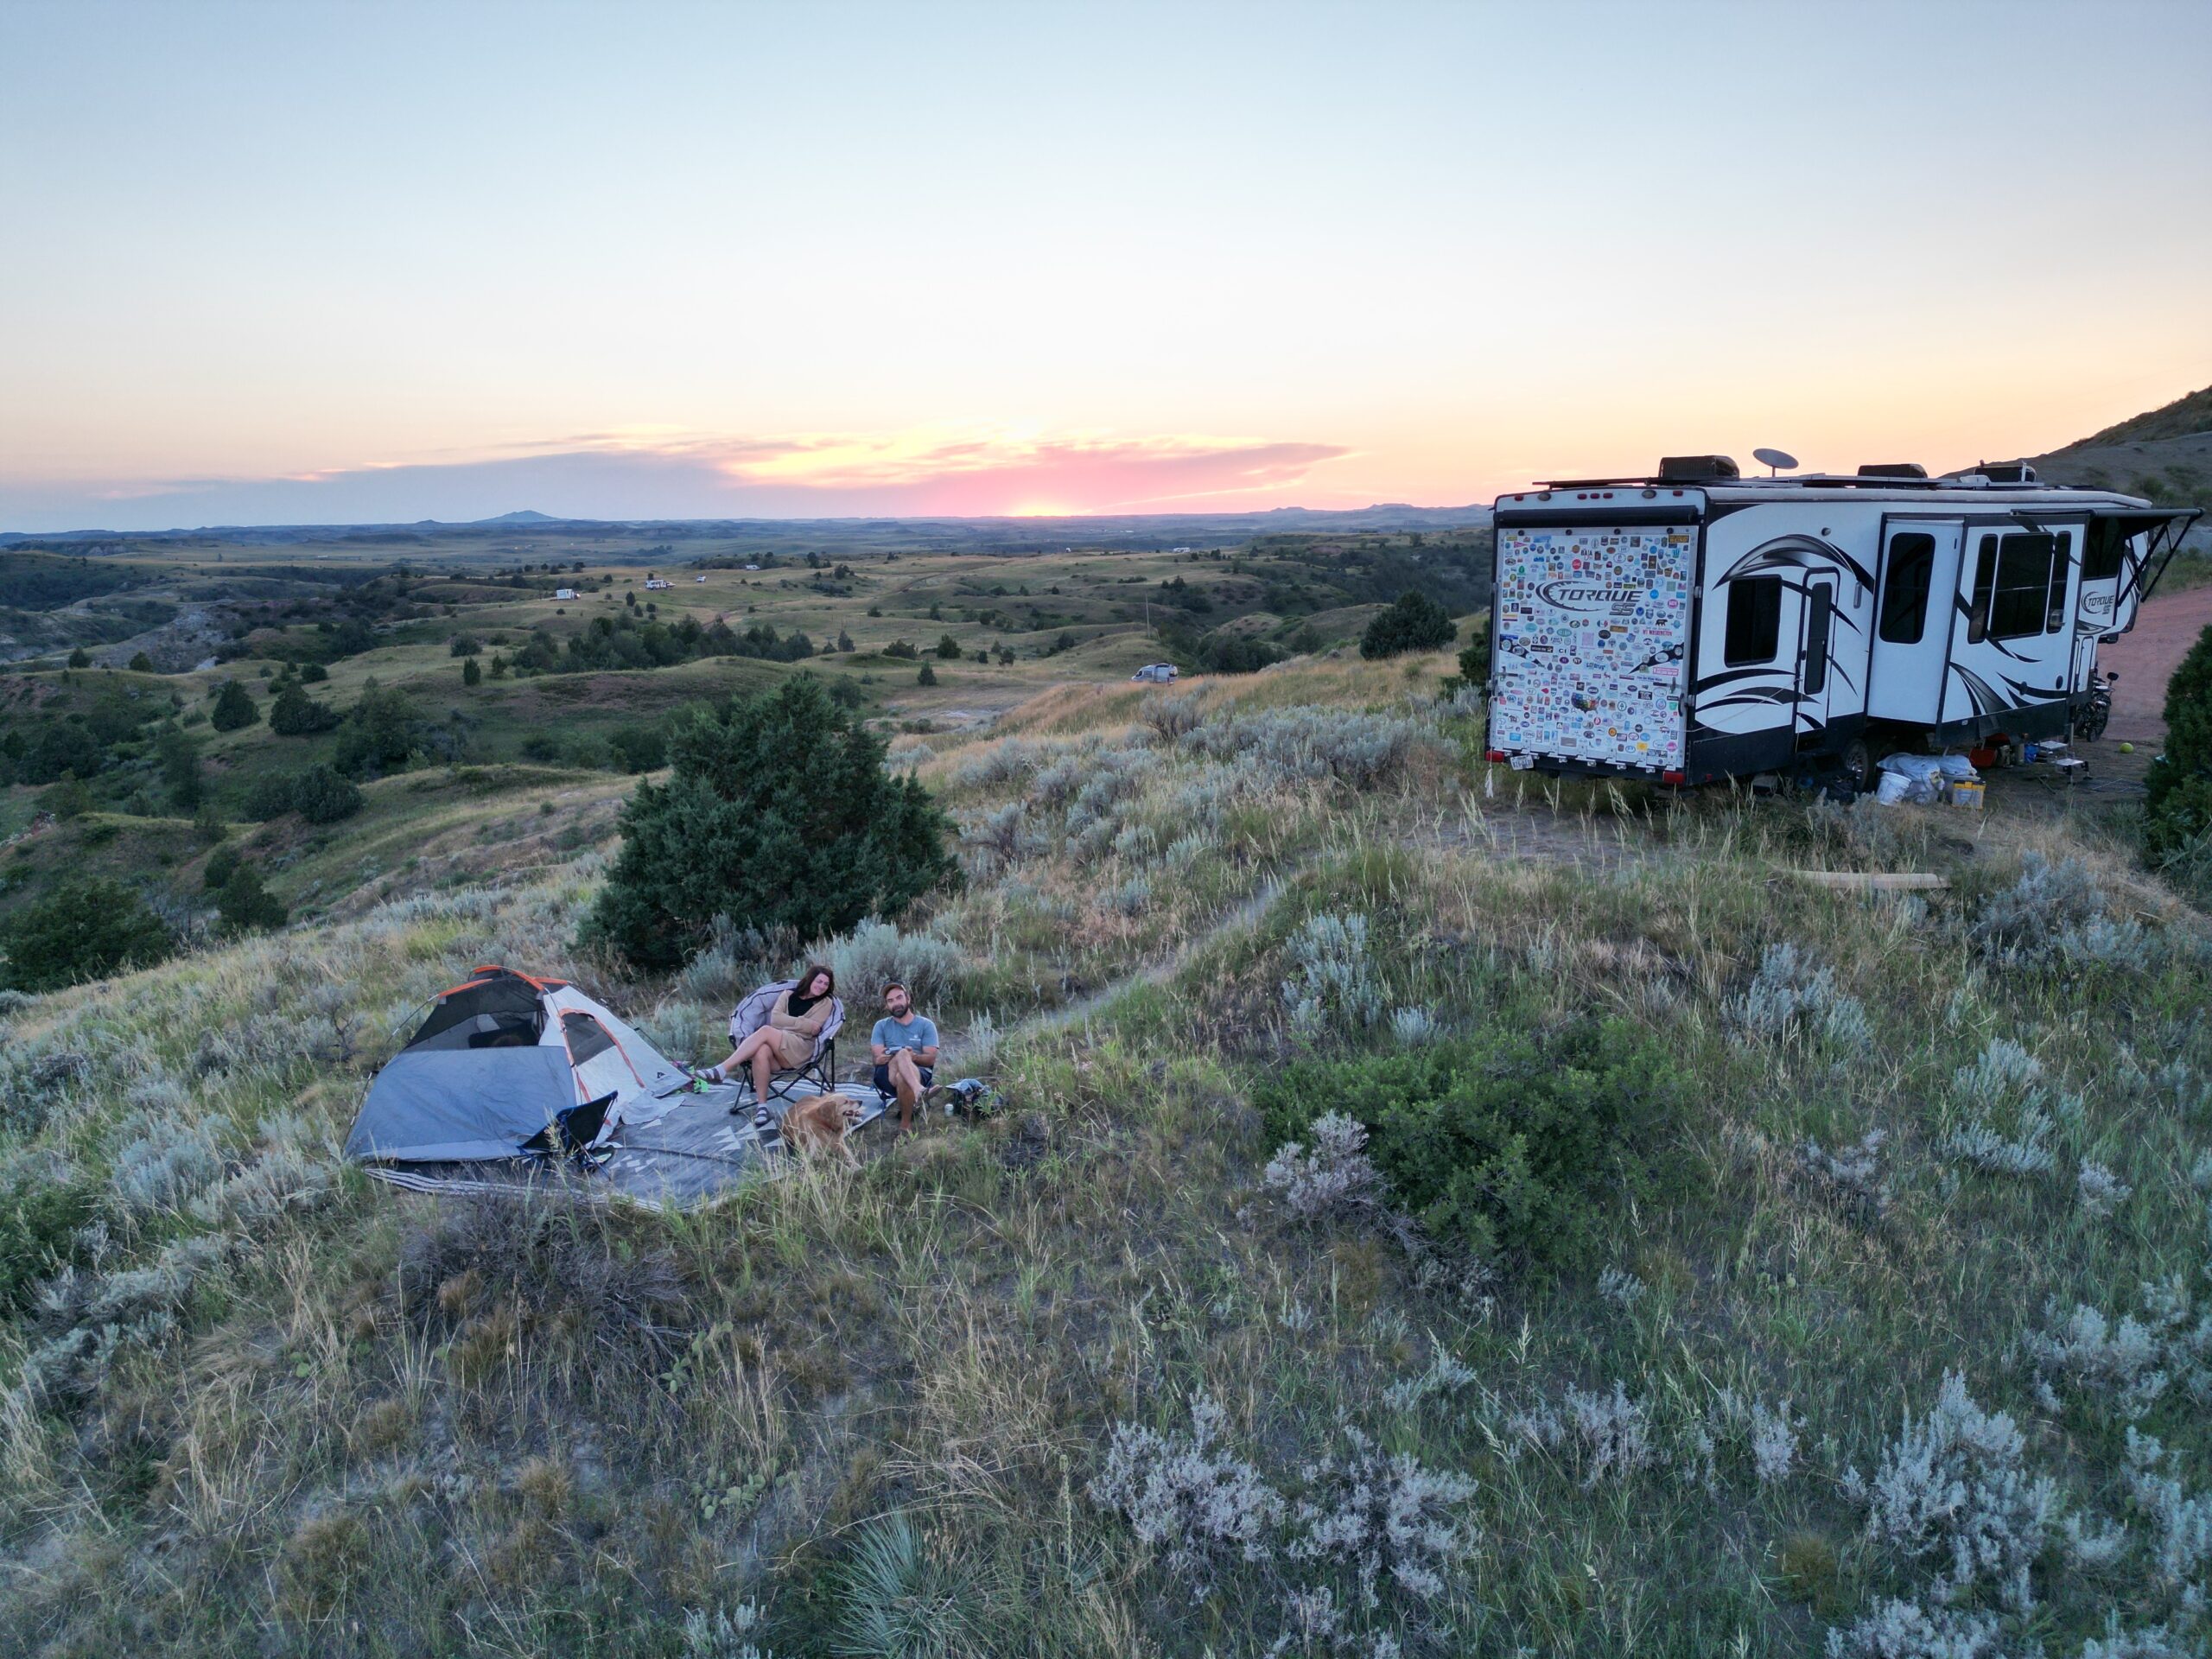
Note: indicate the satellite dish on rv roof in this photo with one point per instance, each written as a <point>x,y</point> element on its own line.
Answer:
<point>1774,461</point>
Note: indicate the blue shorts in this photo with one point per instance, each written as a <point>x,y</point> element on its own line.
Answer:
<point>883,1078</point>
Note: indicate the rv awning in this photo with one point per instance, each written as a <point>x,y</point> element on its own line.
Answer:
<point>2166,526</point>
<point>2132,521</point>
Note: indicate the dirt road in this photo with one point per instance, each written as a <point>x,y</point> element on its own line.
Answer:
<point>2147,657</point>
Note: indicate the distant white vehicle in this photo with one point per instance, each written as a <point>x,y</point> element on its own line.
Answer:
<point>564,593</point>
<point>700,580</point>
<point>753,567</point>
<point>656,584</point>
<point>1158,673</point>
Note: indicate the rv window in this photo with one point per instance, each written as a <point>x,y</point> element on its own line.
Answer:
<point>2017,602</point>
<point>2055,607</point>
<point>2100,553</point>
<point>1984,577</point>
<point>1904,601</point>
<point>1816,642</point>
<point>1754,620</point>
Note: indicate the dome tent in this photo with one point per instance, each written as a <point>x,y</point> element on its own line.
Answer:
<point>505,1064</point>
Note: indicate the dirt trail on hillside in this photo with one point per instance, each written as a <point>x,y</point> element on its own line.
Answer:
<point>2146,657</point>
<point>1158,971</point>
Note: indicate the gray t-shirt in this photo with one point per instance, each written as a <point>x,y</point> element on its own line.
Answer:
<point>919,1033</point>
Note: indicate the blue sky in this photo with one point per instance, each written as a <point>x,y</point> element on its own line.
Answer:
<point>326,262</point>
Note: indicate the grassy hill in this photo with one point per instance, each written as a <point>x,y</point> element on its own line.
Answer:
<point>1104,1374</point>
<point>1733,1260</point>
<point>525,735</point>
<point>2164,455</point>
<point>2189,417</point>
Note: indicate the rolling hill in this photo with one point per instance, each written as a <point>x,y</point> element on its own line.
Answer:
<point>1428,1212</point>
<point>2164,454</point>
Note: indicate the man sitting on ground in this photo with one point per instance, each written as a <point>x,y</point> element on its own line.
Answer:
<point>904,1044</point>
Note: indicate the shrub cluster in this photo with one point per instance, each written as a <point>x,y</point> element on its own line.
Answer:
<point>39,1215</point>
<point>87,1321</point>
<point>1224,652</point>
<point>1852,1175</point>
<point>1520,1144</point>
<point>1361,751</point>
<point>779,814</point>
<point>1185,1496</point>
<point>86,927</point>
<point>319,794</point>
<point>1954,1492</point>
<point>245,905</point>
<point>295,714</point>
<point>1335,1176</point>
<point>1384,1524</point>
<point>1791,992</point>
<point>622,641</point>
<point>875,953</point>
<point>1416,622</point>
<point>1332,988</point>
<point>1607,1437</point>
<point>2124,1368</point>
<point>234,709</point>
<point>2177,816</point>
<point>2054,917</point>
<point>2005,1116</point>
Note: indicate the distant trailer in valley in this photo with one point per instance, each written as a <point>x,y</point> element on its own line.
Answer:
<point>564,593</point>
<point>1698,626</point>
<point>1158,673</point>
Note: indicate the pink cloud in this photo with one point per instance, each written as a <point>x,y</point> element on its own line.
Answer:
<point>653,474</point>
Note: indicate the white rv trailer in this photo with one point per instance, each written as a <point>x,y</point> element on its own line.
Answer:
<point>1699,625</point>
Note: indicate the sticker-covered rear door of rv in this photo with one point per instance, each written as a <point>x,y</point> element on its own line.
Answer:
<point>1592,631</point>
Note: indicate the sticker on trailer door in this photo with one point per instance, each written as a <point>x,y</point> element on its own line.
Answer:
<point>1592,631</point>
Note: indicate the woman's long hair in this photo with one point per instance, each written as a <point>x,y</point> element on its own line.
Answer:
<point>806,979</point>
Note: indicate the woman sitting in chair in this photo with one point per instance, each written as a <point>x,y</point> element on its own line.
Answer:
<point>786,1042</point>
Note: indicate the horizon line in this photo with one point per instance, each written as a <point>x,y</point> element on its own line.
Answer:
<point>545,519</point>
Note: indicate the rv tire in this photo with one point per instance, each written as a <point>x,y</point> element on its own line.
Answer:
<point>1858,763</point>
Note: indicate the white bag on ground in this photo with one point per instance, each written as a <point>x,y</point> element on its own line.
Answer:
<point>1920,775</point>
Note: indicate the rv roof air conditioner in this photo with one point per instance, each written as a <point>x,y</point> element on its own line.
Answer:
<point>2008,471</point>
<point>1893,469</point>
<point>1680,469</point>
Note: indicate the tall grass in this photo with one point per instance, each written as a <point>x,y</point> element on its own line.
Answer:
<point>945,1404</point>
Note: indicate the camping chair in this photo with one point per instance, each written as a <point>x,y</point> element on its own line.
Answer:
<point>821,1067</point>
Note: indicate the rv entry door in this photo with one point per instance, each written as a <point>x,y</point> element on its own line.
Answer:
<point>1816,645</point>
<point>1912,620</point>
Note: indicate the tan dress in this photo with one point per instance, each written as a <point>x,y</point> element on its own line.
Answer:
<point>793,1034</point>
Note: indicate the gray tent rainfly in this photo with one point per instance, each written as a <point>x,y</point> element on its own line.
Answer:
<point>506,1064</point>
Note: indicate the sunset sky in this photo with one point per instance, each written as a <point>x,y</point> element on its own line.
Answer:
<point>311,263</point>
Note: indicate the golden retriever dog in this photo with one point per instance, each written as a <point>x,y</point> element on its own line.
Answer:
<point>819,1124</point>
